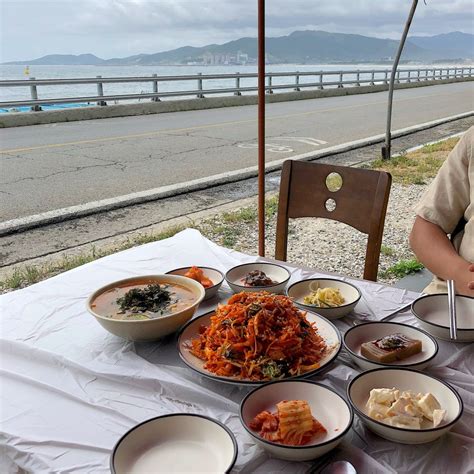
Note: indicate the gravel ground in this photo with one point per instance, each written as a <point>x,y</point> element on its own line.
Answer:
<point>332,246</point>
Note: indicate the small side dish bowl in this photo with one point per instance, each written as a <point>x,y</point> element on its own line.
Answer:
<point>329,408</point>
<point>148,329</point>
<point>349,292</point>
<point>280,275</point>
<point>357,335</point>
<point>432,313</point>
<point>404,379</point>
<point>216,276</point>
<point>175,443</point>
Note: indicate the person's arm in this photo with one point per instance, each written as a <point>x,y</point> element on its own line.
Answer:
<point>436,252</point>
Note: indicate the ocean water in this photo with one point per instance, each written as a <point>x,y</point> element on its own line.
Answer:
<point>84,90</point>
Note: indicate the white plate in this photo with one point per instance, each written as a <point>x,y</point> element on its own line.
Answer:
<point>357,335</point>
<point>190,331</point>
<point>329,408</point>
<point>432,313</point>
<point>175,443</point>
<point>276,272</point>
<point>349,292</point>
<point>405,379</point>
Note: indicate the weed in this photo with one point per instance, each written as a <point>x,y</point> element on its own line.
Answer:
<point>386,250</point>
<point>403,268</point>
<point>417,166</point>
<point>229,237</point>
<point>271,207</point>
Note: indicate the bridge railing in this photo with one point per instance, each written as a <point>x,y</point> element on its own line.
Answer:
<point>300,80</point>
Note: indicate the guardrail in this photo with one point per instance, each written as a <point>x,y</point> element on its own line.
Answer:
<point>343,78</point>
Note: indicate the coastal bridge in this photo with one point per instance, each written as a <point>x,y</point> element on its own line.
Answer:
<point>57,170</point>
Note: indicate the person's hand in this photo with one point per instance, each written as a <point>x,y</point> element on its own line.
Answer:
<point>470,285</point>
<point>465,281</point>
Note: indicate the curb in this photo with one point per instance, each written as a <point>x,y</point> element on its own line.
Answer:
<point>94,207</point>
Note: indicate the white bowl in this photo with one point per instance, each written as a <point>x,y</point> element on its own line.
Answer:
<point>276,272</point>
<point>405,379</point>
<point>216,276</point>
<point>357,335</point>
<point>326,405</point>
<point>149,329</point>
<point>349,292</point>
<point>175,443</point>
<point>431,311</point>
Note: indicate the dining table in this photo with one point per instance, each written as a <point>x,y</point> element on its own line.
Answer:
<point>69,389</point>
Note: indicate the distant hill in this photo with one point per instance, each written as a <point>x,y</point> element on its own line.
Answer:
<point>63,59</point>
<point>298,47</point>
<point>450,45</point>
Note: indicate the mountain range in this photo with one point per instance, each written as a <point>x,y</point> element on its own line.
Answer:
<point>298,47</point>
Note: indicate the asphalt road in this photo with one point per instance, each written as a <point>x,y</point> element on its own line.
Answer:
<point>47,167</point>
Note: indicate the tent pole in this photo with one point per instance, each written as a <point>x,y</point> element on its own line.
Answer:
<point>261,127</point>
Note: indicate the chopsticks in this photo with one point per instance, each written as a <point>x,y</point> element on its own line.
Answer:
<point>453,325</point>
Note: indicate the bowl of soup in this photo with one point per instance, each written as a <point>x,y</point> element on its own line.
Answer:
<point>146,308</point>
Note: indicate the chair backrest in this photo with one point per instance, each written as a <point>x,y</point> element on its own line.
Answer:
<point>361,202</point>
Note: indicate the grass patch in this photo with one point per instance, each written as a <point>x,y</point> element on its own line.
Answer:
<point>30,274</point>
<point>271,207</point>
<point>229,237</point>
<point>418,166</point>
<point>244,215</point>
<point>403,268</point>
<point>386,250</point>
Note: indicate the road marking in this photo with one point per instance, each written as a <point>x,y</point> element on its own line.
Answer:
<point>200,127</point>
<point>276,148</point>
<point>271,147</point>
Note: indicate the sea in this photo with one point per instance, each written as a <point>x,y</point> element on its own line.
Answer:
<point>84,90</point>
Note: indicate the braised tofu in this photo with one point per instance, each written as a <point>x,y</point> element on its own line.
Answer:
<point>390,348</point>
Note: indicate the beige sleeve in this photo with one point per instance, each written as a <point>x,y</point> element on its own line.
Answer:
<point>448,196</point>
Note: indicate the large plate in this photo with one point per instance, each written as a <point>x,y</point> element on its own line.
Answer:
<point>190,331</point>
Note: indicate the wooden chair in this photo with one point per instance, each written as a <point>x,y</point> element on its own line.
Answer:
<point>361,202</point>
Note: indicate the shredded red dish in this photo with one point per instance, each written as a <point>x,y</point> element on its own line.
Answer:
<point>259,336</point>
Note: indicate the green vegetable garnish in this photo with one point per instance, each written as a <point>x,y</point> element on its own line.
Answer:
<point>154,298</point>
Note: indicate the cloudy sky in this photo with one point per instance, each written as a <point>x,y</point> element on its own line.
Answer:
<point>117,28</point>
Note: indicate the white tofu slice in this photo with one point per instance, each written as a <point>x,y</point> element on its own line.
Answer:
<point>377,411</point>
<point>402,421</point>
<point>428,404</point>
<point>405,406</point>
<point>385,396</point>
<point>438,417</point>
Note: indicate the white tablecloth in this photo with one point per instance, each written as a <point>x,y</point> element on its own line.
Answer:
<point>69,389</point>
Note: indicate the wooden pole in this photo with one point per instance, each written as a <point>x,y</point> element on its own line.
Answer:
<point>261,127</point>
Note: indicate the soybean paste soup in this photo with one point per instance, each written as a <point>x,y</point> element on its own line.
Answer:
<point>143,300</point>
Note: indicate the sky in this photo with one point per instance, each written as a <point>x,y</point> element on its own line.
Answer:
<point>117,28</point>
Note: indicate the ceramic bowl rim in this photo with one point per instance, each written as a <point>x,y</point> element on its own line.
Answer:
<point>383,364</point>
<point>217,422</point>
<point>256,382</point>
<point>112,284</point>
<point>312,306</point>
<point>258,287</point>
<point>409,430</point>
<point>307,446</point>
<point>205,268</point>
<point>417,316</point>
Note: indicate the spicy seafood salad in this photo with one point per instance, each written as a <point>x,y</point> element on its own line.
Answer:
<point>259,336</point>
